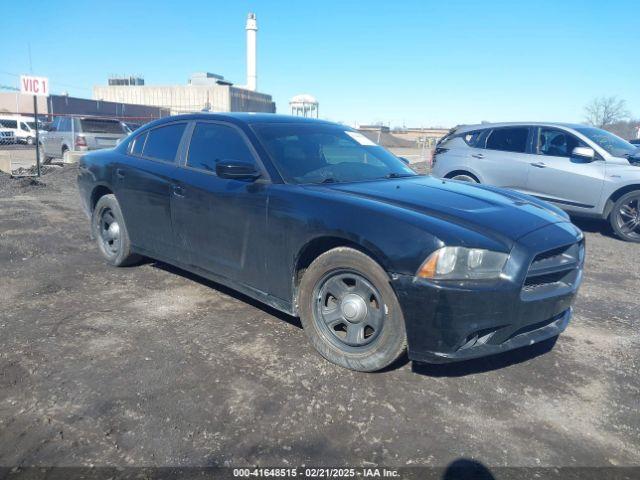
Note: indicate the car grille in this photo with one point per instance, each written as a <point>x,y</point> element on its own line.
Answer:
<point>553,271</point>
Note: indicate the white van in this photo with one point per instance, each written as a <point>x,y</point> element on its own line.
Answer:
<point>24,128</point>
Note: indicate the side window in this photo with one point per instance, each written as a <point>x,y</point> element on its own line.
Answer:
<point>163,142</point>
<point>64,125</point>
<point>508,139</point>
<point>138,144</point>
<point>10,124</point>
<point>472,138</point>
<point>212,142</point>
<point>23,126</point>
<point>55,126</point>
<point>557,143</point>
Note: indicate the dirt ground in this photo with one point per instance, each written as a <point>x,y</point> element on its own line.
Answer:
<point>152,366</point>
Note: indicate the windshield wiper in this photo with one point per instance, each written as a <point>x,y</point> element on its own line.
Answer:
<point>399,175</point>
<point>329,180</point>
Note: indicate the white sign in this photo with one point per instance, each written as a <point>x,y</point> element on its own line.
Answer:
<point>34,85</point>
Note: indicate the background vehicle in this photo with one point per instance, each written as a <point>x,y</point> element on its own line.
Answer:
<point>583,170</point>
<point>23,128</point>
<point>316,220</point>
<point>6,136</point>
<point>78,134</point>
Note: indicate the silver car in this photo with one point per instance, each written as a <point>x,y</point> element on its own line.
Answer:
<point>79,134</point>
<point>583,170</point>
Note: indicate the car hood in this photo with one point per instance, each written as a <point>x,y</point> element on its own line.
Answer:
<point>487,210</point>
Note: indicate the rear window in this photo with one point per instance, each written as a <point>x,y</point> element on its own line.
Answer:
<point>508,139</point>
<point>163,142</point>
<point>94,125</point>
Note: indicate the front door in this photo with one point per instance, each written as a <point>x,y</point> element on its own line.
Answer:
<point>220,223</point>
<point>555,175</point>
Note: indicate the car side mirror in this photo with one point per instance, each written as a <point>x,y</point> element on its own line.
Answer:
<point>584,153</point>
<point>236,170</point>
<point>405,160</point>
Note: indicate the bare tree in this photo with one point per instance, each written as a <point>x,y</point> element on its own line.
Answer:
<point>603,111</point>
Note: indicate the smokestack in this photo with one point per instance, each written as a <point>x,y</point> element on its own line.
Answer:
<point>252,29</point>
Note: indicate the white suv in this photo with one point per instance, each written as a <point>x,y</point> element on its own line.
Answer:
<point>583,170</point>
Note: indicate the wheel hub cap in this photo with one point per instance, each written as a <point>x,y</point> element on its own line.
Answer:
<point>354,308</point>
<point>114,230</point>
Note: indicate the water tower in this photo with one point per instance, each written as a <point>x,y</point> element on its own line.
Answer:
<point>304,105</point>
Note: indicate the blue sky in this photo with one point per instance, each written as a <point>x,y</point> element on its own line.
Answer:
<point>417,63</point>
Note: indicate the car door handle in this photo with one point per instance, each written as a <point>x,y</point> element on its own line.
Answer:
<point>119,173</point>
<point>477,155</point>
<point>539,164</point>
<point>178,191</point>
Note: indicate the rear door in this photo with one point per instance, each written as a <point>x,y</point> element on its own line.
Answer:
<point>504,162</point>
<point>220,224</point>
<point>555,175</point>
<point>142,180</point>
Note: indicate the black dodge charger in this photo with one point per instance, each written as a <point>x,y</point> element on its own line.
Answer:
<point>316,220</point>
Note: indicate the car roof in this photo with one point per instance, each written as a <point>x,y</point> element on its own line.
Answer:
<point>243,117</point>
<point>484,126</point>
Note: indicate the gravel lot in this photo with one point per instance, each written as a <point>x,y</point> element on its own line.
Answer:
<point>151,365</point>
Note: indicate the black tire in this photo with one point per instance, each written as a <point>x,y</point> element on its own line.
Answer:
<point>29,140</point>
<point>109,230</point>
<point>625,217</point>
<point>462,176</point>
<point>384,343</point>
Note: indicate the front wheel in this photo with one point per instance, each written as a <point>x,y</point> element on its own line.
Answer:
<point>625,217</point>
<point>350,312</point>
<point>109,230</point>
<point>29,140</point>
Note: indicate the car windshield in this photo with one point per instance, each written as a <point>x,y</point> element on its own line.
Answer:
<point>307,153</point>
<point>613,144</point>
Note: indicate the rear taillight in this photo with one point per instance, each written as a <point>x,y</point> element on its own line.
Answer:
<point>81,141</point>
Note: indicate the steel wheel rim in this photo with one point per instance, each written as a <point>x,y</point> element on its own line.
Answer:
<point>348,309</point>
<point>109,232</point>
<point>628,218</point>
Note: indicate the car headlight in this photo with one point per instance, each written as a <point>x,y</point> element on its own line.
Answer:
<point>460,263</point>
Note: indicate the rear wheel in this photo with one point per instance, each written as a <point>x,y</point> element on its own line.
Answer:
<point>111,233</point>
<point>350,312</point>
<point>463,177</point>
<point>625,217</point>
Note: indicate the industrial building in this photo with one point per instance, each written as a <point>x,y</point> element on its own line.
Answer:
<point>204,91</point>
<point>15,102</point>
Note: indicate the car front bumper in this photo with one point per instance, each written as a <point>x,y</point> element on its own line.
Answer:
<point>448,321</point>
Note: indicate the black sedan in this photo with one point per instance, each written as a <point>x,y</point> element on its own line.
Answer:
<point>316,220</point>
